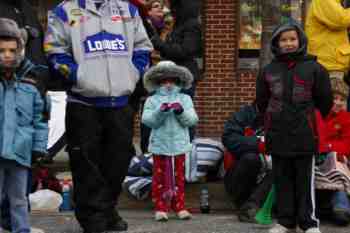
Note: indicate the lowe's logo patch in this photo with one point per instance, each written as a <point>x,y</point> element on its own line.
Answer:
<point>105,41</point>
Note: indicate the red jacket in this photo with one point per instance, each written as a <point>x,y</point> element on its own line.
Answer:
<point>334,132</point>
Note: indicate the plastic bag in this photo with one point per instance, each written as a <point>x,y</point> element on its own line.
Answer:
<point>45,200</point>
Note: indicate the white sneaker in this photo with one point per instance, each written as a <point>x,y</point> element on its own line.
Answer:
<point>184,215</point>
<point>277,228</point>
<point>36,230</point>
<point>161,216</point>
<point>313,230</point>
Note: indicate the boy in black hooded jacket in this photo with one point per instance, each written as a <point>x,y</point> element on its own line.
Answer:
<point>288,90</point>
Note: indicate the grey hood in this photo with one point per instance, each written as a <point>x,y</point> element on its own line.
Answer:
<point>289,25</point>
<point>167,69</point>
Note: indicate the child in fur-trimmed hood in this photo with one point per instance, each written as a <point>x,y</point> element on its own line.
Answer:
<point>169,114</point>
<point>24,129</point>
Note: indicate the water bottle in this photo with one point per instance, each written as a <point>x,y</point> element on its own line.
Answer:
<point>204,201</point>
<point>66,203</point>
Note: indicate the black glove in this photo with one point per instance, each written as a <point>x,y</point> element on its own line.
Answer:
<point>37,157</point>
<point>157,42</point>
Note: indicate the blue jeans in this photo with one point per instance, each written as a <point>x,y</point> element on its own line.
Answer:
<point>13,183</point>
<point>340,201</point>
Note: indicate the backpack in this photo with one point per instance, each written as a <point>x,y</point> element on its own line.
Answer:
<point>204,158</point>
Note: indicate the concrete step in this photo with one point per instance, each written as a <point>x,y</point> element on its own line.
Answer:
<point>219,199</point>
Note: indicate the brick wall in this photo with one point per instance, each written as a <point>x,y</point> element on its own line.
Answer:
<point>224,89</point>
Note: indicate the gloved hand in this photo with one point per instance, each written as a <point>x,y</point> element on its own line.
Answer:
<point>37,157</point>
<point>177,107</point>
<point>165,107</point>
<point>156,42</point>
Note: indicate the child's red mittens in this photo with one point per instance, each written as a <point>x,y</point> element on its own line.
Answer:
<point>165,107</point>
<point>177,107</point>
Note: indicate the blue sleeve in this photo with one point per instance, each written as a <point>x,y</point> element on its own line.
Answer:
<point>233,136</point>
<point>41,129</point>
<point>152,116</point>
<point>188,117</point>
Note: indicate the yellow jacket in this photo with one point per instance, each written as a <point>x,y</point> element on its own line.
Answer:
<point>326,28</point>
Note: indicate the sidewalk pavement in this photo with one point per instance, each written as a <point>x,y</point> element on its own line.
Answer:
<point>141,221</point>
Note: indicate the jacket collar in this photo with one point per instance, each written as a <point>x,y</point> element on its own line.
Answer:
<point>23,69</point>
<point>90,6</point>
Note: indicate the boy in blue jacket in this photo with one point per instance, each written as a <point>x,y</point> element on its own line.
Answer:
<point>169,114</point>
<point>23,126</point>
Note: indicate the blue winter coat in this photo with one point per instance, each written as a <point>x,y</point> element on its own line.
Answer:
<point>22,128</point>
<point>170,134</point>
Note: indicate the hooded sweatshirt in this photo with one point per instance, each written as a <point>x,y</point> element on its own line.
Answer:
<point>288,90</point>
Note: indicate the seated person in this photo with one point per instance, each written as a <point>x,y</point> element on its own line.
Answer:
<point>334,133</point>
<point>240,139</point>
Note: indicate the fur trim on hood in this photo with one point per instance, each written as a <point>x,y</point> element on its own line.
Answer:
<point>9,28</point>
<point>167,69</point>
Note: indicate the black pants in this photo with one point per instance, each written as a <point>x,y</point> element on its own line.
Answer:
<point>100,148</point>
<point>240,180</point>
<point>295,194</point>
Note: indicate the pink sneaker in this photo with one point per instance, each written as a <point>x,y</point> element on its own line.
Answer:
<point>184,215</point>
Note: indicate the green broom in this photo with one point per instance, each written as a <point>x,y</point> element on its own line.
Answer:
<point>264,215</point>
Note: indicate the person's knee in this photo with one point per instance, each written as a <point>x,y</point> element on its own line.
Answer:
<point>18,201</point>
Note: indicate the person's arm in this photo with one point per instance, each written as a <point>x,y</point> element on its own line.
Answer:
<point>234,138</point>
<point>340,142</point>
<point>190,46</point>
<point>322,91</point>
<point>154,116</point>
<point>142,44</point>
<point>188,117</point>
<point>34,45</point>
<point>58,47</point>
<point>41,130</point>
<point>262,93</point>
<point>331,13</point>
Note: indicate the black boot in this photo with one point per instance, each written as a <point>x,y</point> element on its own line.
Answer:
<point>247,212</point>
<point>117,223</point>
<point>341,217</point>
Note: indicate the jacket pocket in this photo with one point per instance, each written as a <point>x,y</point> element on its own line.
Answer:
<point>25,104</point>
<point>343,54</point>
<point>23,143</point>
